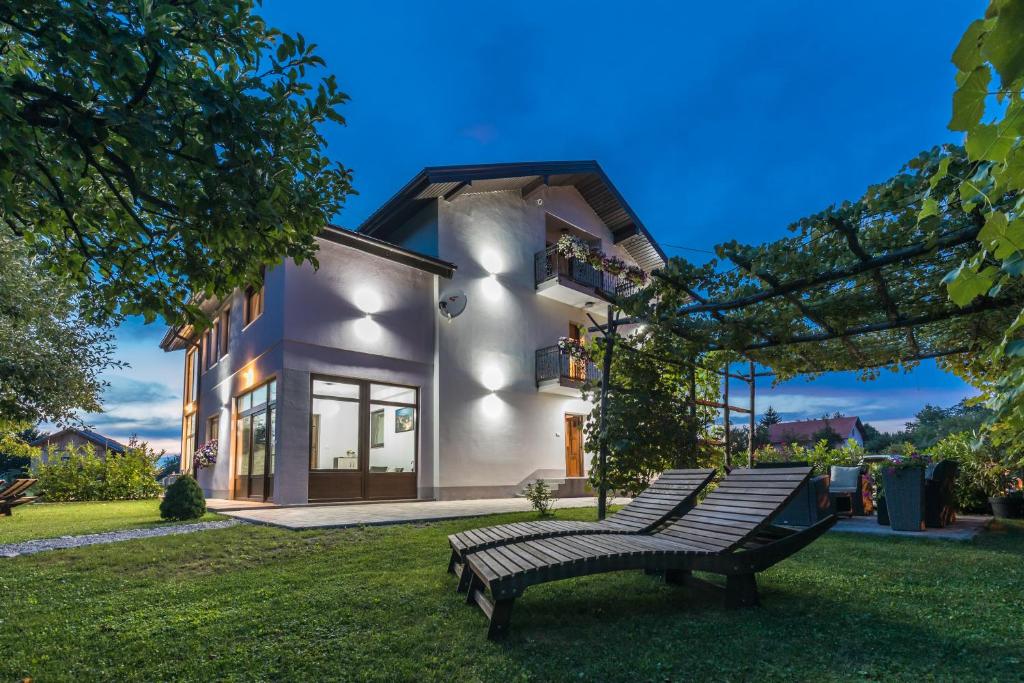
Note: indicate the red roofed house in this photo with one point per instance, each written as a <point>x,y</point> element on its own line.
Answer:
<point>807,432</point>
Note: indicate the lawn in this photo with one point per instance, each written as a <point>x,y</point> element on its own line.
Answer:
<point>260,603</point>
<point>49,520</point>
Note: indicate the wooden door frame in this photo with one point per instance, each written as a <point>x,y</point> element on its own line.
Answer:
<point>571,419</point>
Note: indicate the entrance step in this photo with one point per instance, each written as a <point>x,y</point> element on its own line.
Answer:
<point>562,487</point>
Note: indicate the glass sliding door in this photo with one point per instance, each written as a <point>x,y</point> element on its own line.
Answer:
<point>255,414</point>
<point>363,440</point>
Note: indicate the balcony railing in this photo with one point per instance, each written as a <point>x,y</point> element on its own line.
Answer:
<point>554,364</point>
<point>550,265</point>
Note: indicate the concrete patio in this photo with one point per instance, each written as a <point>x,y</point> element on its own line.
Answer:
<point>360,514</point>
<point>965,528</point>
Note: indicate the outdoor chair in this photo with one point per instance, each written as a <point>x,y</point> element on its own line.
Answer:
<point>940,494</point>
<point>811,504</point>
<point>14,495</point>
<point>845,490</point>
<point>671,494</point>
<point>729,533</point>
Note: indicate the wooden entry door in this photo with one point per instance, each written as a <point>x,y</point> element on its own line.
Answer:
<point>574,445</point>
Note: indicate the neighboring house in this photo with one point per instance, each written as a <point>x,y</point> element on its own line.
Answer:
<point>808,432</point>
<point>70,437</point>
<point>347,383</point>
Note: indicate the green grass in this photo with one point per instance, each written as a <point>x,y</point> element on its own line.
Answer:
<point>259,603</point>
<point>49,520</point>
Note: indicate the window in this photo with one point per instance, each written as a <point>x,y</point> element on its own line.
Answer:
<point>188,442</point>
<point>191,376</point>
<point>254,302</point>
<point>225,325</point>
<point>360,426</point>
<point>213,428</point>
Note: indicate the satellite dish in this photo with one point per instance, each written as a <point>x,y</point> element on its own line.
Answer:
<point>452,304</point>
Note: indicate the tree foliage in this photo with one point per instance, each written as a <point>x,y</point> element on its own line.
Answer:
<point>51,357</point>
<point>651,423</point>
<point>159,149</point>
<point>988,106</point>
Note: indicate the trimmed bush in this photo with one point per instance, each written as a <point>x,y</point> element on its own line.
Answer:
<point>183,500</point>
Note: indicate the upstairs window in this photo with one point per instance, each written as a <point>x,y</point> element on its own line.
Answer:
<point>253,303</point>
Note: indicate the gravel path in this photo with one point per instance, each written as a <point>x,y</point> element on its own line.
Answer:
<point>44,544</point>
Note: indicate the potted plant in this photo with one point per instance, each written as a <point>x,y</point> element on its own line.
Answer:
<point>1008,501</point>
<point>903,485</point>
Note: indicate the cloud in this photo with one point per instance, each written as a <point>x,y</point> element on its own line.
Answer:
<point>125,390</point>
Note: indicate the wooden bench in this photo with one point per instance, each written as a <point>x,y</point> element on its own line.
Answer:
<point>672,494</point>
<point>14,495</point>
<point>729,534</point>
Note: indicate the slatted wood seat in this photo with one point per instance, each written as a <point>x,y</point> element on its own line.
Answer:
<point>14,495</point>
<point>674,492</point>
<point>729,533</point>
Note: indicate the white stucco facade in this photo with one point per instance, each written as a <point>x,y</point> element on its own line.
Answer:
<point>482,427</point>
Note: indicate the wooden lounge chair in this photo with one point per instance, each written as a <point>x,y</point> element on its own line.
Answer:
<point>729,533</point>
<point>672,494</point>
<point>14,495</point>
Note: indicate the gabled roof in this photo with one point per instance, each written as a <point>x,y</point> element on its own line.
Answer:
<point>587,177</point>
<point>102,441</point>
<point>801,431</point>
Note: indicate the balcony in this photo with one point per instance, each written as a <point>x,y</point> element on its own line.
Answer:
<point>575,282</point>
<point>560,373</point>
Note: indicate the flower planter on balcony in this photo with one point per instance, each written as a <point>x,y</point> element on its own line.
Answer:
<point>904,497</point>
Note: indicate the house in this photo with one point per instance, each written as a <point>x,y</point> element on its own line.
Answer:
<point>72,437</point>
<point>808,432</point>
<point>422,359</point>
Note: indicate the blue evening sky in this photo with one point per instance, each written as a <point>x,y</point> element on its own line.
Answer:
<point>714,125</point>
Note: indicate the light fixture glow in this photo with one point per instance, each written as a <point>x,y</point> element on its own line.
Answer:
<point>491,287</point>
<point>367,329</point>
<point>492,378</point>
<point>367,300</point>
<point>247,377</point>
<point>491,261</point>
<point>492,405</point>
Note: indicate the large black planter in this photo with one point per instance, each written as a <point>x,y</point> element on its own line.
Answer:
<point>904,497</point>
<point>1007,507</point>
<point>883,512</point>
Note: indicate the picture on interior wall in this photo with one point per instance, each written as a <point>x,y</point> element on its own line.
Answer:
<point>405,419</point>
<point>377,429</point>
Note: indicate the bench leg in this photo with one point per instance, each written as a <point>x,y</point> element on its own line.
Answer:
<point>677,577</point>
<point>500,618</point>
<point>741,590</point>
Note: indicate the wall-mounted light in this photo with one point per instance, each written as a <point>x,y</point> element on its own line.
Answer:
<point>492,405</point>
<point>368,329</point>
<point>491,261</point>
<point>492,378</point>
<point>248,376</point>
<point>367,300</point>
<point>491,287</point>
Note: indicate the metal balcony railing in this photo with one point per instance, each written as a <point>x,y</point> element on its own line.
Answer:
<point>555,364</point>
<point>550,265</point>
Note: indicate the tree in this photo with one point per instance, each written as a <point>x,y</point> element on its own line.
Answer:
<point>651,425</point>
<point>155,151</point>
<point>770,417</point>
<point>51,357</point>
<point>991,115</point>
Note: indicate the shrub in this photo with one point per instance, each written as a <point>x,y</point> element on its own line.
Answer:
<point>183,500</point>
<point>982,469</point>
<point>78,473</point>
<point>539,495</point>
<point>820,457</point>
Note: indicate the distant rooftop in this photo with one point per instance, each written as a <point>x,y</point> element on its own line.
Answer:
<point>102,441</point>
<point>802,431</point>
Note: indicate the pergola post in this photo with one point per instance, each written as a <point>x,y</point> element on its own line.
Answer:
<point>728,428</point>
<point>750,441</point>
<point>606,375</point>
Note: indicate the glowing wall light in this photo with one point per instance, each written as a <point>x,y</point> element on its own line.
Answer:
<point>492,378</point>
<point>492,405</point>
<point>491,287</point>
<point>368,329</point>
<point>491,261</point>
<point>248,377</point>
<point>367,300</point>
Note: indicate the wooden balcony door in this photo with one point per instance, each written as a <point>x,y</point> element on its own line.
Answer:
<point>577,366</point>
<point>574,445</point>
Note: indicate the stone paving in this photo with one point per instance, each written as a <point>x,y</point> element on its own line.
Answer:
<point>965,528</point>
<point>62,542</point>
<point>340,516</point>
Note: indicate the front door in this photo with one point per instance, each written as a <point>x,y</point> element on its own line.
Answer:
<point>574,445</point>
<point>254,438</point>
